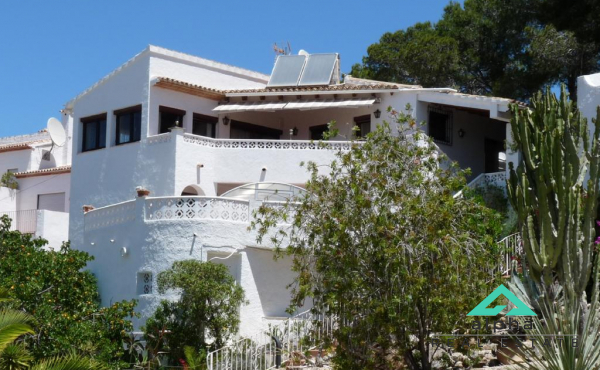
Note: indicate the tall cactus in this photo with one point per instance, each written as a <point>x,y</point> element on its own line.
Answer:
<point>556,212</point>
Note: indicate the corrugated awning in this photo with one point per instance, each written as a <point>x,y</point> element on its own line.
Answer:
<point>250,107</point>
<point>330,103</point>
<point>298,104</point>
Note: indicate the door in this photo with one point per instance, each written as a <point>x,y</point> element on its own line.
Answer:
<point>494,152</point>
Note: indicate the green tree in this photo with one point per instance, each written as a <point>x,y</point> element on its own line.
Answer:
<point>381,244</point>
<point>508,48</point>
<point>14,356</point>
<point>207,308</point>
<point>54,288</point>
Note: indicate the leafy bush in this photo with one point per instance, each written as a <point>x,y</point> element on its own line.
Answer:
<point>206,309</point>
<point>9,180</point>
<point>380,243</point>
<point>62,297</point>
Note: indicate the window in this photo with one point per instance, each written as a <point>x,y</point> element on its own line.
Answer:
<point>204,125</point>
<point>316,132</point>
<point>364,125</point>
<point>129,125</point>
<point>51,202</point>
<point>169,117</point>
<point>94,132</point>
<point>440,125</point>
<point>243,130</point>
<point>144,282</point>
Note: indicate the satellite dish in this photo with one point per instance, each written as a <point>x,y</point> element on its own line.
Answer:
<point>57,135</point>
<point>303,52</point>
<point>56,131</point>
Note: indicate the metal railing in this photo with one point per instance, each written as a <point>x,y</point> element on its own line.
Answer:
<point>513,250</point>
<point>24,221</point>
<point>278,345</point>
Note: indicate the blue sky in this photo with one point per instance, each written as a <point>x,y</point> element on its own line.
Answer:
<point>52,50</point>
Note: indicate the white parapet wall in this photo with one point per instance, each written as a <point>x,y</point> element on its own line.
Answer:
<point>52,226</point>
<point>134,241</point>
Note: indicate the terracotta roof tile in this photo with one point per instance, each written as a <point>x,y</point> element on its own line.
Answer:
<point>21,146</point>
<point>47,171</point>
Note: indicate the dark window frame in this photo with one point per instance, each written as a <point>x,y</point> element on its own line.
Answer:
<point>448,129</point>
<point>204,119</point>
<point>266,131</point>
<point>318,128</point>
<point>135,134</point>
<point>169,110</point>
<point>100,121</point>
<point>360,121</point>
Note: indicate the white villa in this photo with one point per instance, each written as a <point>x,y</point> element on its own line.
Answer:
<point>210,141</point>
<point>42,171</point>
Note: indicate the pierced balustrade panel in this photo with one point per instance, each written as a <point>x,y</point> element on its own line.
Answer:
<point>190,208</point>
<point>268,144</point>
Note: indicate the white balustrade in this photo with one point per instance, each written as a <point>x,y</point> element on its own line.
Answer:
<point>190,208</point>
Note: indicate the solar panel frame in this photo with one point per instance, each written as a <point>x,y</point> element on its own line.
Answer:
<point>287,70</point>
<point>318,70</point>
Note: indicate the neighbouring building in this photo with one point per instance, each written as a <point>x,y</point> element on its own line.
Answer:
<point>37,200</point>
<point>210,141</point>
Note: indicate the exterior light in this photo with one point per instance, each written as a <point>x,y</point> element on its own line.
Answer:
<point>377,113</point>
<point>461,133</point>
<point>226,120</point>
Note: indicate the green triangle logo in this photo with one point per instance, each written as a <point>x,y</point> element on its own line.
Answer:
<point>520,310</point>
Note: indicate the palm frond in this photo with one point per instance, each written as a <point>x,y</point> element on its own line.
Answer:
<point>70,362</point>
<point>15,357</point>
<point>13,324</point>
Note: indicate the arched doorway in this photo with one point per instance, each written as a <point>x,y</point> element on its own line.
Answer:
<point>192,191</point>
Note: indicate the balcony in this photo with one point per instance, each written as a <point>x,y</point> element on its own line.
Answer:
<point>23,221</point>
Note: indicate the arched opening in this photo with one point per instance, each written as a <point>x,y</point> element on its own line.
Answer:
<point>192,191</point>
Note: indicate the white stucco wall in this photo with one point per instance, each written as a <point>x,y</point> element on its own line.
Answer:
<point>31,187</point>
<point>54,227</point>
<point>588,96</point>
<point>153,246</point>
<point>8,199</point>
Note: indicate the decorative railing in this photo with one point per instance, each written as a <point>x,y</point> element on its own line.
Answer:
<point>157,139</point>
<point>268,144</point>
<point>513,252</point>
<point>492,178</point>
<point>23,221</point>
<point>271,348</point>
<point>211,208</point>
<point>486,179</point>
<point>110,215</point>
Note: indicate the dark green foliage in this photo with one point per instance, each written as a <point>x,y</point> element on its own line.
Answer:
<point>380,243</point>
<point>494,197</point>
<point>207,308</point>
<point>508,48</point>
<point>54,288</point>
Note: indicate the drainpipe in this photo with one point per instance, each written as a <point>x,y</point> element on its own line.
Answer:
<point>277,352</point>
